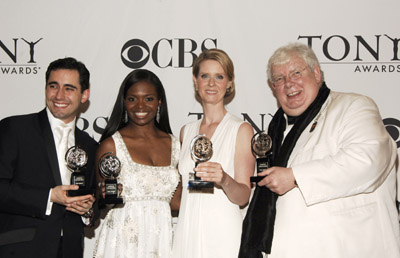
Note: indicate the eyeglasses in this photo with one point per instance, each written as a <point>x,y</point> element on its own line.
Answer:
<point>293,76</point>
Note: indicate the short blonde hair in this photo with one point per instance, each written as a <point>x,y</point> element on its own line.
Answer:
<point>283,55</point>
<point>223,59</point>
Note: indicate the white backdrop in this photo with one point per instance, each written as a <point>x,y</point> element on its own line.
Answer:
<point>356,41</point>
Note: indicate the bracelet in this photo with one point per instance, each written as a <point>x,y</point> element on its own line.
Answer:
<point>88,214</point>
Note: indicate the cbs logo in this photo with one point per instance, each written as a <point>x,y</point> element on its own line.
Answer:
<point>177,52</point>
<point>393,127</point>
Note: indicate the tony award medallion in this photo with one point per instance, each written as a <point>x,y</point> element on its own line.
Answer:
<point>76,160</point>
<point>201,151</point>
<point>110,167</point>
<point>261,144</point>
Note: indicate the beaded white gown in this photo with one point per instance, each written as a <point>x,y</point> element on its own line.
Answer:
<point>142,226</point>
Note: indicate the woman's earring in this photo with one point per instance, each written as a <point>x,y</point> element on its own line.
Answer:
<point>126,117</point>
<point>158,115</point>
<point>229,90</point>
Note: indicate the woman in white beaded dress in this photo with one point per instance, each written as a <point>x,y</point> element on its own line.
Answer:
<point>210,224</point>
<point>139,134</point>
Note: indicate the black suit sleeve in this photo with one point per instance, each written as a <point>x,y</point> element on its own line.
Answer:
<point>18,194</point>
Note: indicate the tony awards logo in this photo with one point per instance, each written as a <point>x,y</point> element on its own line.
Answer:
<point>110,168</point>
<point>201,151</point>
<point>261,144</point>
<point>76,159</point>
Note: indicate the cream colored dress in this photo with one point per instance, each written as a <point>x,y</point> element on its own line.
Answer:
<point>142,226</point>
<point>209,225</point>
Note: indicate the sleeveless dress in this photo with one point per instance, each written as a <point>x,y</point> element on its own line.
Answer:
<point>142,226</point>
<point>209,224</point>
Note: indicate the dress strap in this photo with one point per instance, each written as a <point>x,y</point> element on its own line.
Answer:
<point>117,141</point>
<point>119,144</point>
<point>176,146</point>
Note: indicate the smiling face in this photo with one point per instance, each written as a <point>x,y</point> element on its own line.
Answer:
<point>211,82</point>
<point>63,94</point>
<point>295,95</point>
<point>141,102</point>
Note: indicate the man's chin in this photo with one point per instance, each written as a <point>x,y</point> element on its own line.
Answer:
<point>66,118</point>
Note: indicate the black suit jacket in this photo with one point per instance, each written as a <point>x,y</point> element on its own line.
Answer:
<point>28,169</point>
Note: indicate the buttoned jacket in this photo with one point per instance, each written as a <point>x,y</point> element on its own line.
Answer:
<point>28,169</point>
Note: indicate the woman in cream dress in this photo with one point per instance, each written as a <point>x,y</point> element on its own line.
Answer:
<point>210,222</point>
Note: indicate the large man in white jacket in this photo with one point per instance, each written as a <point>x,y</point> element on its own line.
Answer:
<point>337,191</point>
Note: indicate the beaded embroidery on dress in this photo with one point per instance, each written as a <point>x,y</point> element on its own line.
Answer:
<point>142,226</point>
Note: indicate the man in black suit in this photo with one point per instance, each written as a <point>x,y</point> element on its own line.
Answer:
<point>37,216</point>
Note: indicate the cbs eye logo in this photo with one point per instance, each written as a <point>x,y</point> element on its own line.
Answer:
<point>135,53</point>
<point>393,127</point>
<point>177,52</point>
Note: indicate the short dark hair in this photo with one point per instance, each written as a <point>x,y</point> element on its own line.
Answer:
<point>71,63</point>
<point>116,121</point>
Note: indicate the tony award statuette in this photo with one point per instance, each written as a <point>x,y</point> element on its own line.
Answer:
<point>261,144</point>
<point>76,160</point>
<point>110,167</point>
<point>201,151</point>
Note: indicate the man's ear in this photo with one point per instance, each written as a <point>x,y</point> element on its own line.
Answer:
<point>317,74</point>
<point>85,96</point>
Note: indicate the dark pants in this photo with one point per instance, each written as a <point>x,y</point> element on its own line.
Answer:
<point>60,248</point>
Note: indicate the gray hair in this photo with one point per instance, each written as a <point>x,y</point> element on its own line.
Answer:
<point>283,55</point>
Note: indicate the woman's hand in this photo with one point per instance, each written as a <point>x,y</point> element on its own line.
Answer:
<point>102,188</point>
<point>211,172</point>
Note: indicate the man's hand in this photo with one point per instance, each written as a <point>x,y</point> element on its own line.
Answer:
<point>77,204</point>
<point>278,179</point>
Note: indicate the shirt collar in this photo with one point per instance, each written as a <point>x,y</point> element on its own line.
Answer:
<point>55,122</point>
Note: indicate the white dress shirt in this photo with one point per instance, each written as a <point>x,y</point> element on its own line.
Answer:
<point>54,123</point>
